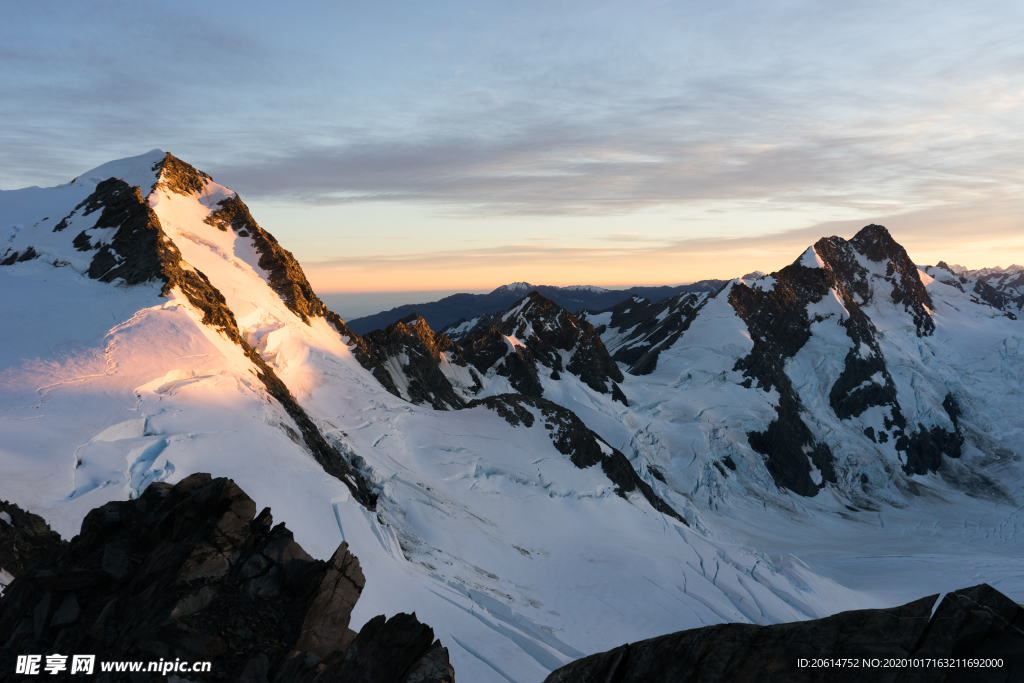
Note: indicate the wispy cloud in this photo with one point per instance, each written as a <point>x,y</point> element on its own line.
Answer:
<point>873,111</point>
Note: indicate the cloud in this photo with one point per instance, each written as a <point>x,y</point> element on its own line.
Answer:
<point>596,109</point>
<point>561,169</point>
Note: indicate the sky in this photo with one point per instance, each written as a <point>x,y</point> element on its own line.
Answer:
<point>461,145</point>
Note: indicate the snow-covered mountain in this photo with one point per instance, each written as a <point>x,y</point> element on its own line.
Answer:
<point>545,486</point>
<point>865,371</point>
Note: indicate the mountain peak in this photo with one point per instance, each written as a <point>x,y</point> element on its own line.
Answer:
<point>179,177</point>
<point>139,171</point>
<point>514,288</point>
<point>585,288</point>
<point>876,243</point>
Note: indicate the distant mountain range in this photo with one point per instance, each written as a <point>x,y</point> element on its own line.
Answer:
<point>462,307</point>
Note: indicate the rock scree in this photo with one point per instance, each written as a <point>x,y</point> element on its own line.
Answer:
<point>191,572</point>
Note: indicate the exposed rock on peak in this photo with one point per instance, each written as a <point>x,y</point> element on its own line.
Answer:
<point>1002,289</point>
<point>779,326</point>
<point>174,175</point>
<point>283,272</point>
<point>973,623</point>
<point>13,257</point>
<point>286,277</point>
<point>192,572</point>
<point>637,331</point>
<point>536,331</point>
<point>141,251</point>
<point>424,366</point>
<point>876,244</point>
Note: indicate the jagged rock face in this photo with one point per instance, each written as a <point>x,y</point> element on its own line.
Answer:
<point>574,439</point>
<point>25,539</point>
<point>974,623</point>
<point>429,367</point>
<point>876,244</point>
<point>139,250</point>
<point>284,273</point>
<point>192,572</point>
<point>536,331</point>
<point>780,325</point>
<point>398,649</point>
<point>639,330</point>
<point>174,175</point>
<point>12,257</point>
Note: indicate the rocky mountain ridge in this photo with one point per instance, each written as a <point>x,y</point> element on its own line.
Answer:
<point>191,572</point>
<point>978,623</point>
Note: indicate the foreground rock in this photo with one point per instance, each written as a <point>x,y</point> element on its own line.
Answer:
<point>25,539</point>
<point>977,623</point>
<point>191,572</point>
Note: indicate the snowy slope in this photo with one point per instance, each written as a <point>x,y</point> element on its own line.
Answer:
<point>184,338</point>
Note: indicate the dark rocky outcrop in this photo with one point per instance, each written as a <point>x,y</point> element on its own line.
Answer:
<point>139,251</point>
<point>174,175</point>
<point>411,348</point>
<point>489,349</point>
<point>648,329</point>
<point>996,298</point>
<point>858,387</point>
<point>1002,289</point>
<point>541,330</point>
<point>574,439</point>
<point>974,623</point>
<point>875,243</point>
<point>192,572</point>
<point>779,326</point>
<point>924,448</point>
<point>284,274</point>
<point>25,539</point>
<point>20,257</point>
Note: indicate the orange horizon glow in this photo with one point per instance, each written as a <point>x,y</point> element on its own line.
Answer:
<point>426,273</point>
